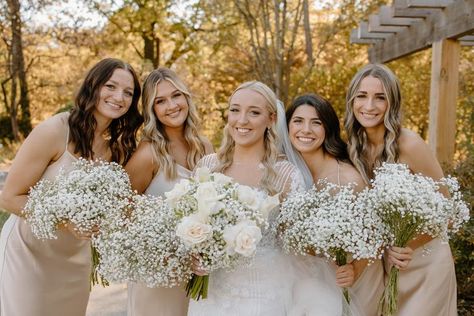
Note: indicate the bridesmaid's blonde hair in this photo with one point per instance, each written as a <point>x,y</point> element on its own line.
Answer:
<point>357,137</point>
<point>154,130</point>
<point>225,153</point>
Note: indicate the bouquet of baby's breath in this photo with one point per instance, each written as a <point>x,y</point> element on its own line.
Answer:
<point>87,194</point>
<point>329,220</point>
<point>143,246</point>
<point>410,205</point>
<point>218,220</point>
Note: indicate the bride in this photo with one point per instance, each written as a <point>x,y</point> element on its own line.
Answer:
<point>249,153</point>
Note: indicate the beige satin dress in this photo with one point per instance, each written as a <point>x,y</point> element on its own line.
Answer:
<point>428,286</point>
<point>43,277</point>
<point>368,289</point>
<point>145,301</point>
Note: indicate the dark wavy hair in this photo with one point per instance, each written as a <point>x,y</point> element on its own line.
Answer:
<point>333,143</point>
<point>122,131</point>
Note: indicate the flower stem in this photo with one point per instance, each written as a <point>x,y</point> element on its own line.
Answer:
<point>389,299</point>
<point>96,278</point>
<point>196,288</point>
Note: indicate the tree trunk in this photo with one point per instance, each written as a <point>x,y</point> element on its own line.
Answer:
<point>18,74</point>
<point>307,33</point>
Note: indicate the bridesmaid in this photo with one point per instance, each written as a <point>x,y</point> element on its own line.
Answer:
<point>249,154</point>
<point>169,150</point>
<point>314,131</point>
<point>427,282</point>
<point>51,277</point>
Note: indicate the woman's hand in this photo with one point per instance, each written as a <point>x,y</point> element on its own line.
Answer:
<point>345,275</point>
<point>399,257</point>
<point>197,267</point>
<point>72,228</point>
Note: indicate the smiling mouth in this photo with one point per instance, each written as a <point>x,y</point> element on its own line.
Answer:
<point>174,114</point>
<point>114,105</point>
<point>305,139</point>
<point>368,115</point>
<point>241,130</point>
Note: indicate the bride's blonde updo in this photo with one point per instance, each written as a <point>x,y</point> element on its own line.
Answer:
<point>225,153</point>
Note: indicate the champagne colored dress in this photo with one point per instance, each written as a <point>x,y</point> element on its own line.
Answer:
<point>428,286</point>
<point>43,277</point>
<point>368,289</point>
<point>145,301</point>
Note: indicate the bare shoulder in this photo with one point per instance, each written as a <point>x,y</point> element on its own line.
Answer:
<point>52,132</point>
<point>416,153</point>
<point>208,148</point>
<point>410,140</point>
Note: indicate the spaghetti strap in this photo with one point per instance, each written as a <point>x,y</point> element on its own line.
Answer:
<point>67,138</point>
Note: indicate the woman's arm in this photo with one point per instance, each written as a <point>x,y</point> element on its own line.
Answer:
<point>141,167</point>
<point>46,143</point>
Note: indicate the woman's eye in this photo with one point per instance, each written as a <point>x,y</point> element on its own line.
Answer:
<point>297,121</point>
<point>128,93</point>
<point>360,96</point>
<point>110,86</point>
<point>317,123</point>
<point>234,110</point>
<point>254,113</point>
<point>160,101</point>
<point>177,95</point>
<point>381,97</point>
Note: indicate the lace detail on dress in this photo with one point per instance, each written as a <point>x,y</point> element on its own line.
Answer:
<point>263,287</point>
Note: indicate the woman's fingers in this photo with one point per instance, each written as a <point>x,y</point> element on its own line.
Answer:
<point>400,257</point>
<point>345,275</point>
<point>197,266</point>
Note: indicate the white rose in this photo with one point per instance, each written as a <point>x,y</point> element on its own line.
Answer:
<point>221,178</point>
<point>269,204</point>
<point>179,190</point>
<point>192,230</point>
<point>202,174</point>
<point>208,199</point>
<point>248,196</point>
<point>242,238</point>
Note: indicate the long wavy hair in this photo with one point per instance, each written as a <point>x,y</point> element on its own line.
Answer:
<point>154,131</point>
<point>333,143</point>
<point>82,123</point>
<point>357,137</point>
<point>225,154</point>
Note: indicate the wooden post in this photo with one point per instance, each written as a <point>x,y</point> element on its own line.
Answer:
<point>443,95</point>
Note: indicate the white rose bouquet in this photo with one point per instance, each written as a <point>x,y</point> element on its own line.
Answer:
<point>328,220</point>
<point>142,246</point>
<point>87,194</point>
<point>219,220</point>
<point>409,205</point>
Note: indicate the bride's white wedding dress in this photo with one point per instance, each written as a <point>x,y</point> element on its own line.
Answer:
<point>275,284</point>
<point>262,288</point>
